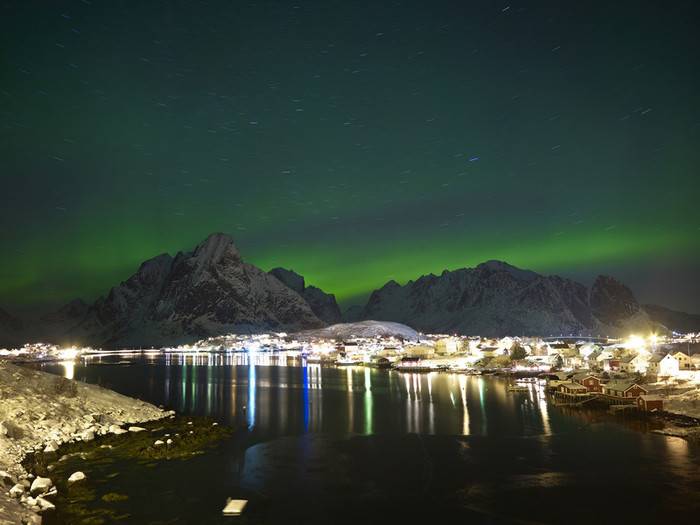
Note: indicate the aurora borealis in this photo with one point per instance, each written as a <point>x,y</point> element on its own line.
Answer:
<point>354,142</point>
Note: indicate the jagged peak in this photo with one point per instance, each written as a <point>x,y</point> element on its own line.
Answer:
<point>606,280</point>
<point>391,283</point>
<point>215,247</point>
<point>494,265</point>
<point>158,261</point>
<point>153,269</point>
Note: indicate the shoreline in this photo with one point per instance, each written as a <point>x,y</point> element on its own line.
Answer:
<point>39,412</point>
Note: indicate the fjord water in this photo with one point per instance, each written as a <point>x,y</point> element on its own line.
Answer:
<point>320,444</point>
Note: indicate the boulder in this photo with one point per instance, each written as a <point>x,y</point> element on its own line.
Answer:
<point>158,443</point>
<point>44,504</point>
<point>87,435</point>
<point>40,485</point>
<point>6,479</point>
<point>76,476</point>
<point>137,429</point>
<point>52,446</point>
<point>16,491</point>
<point>114,429</point>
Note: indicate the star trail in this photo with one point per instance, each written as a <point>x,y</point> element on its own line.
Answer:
<point>354,142</point>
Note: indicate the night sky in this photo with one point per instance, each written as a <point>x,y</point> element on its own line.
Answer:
<point>351,141</point>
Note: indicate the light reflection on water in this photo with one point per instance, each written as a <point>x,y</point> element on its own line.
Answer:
<point>339,435</point>
<point>275,394</point>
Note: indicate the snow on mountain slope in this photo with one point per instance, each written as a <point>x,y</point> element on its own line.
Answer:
<point>343,331</point>
<point>498,299</point>
<point>208,291</point>
<point>322,304</point>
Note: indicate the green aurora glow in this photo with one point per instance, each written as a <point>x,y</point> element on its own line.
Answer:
<point>354,145</point>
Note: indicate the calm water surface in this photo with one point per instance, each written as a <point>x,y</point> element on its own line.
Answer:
<point>357,445</point>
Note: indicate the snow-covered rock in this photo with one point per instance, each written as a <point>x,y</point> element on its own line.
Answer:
<point>17,490</point>
<point>363,329</point>
<point>76,476</point>
<point>44,504</point>
<point>40,485</point>
<point>6,479</point>
<point>35,415</point>
<point>117,430</point>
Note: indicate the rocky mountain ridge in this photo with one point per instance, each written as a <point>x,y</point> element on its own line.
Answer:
<point>212,291</point>
<point>323,305</point>
<point>495,299</point>
<point>169,300</point>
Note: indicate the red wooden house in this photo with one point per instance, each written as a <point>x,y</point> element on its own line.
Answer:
<point>650,403</point>
<point>591,382</point>
<point>623,389</point>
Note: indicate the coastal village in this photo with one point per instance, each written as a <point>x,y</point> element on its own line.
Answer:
<point>648,373</point>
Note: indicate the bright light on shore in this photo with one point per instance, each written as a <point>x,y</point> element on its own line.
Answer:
<point>68,354</point>
<point>635,342</point>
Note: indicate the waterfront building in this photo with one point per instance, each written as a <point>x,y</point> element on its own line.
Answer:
<point>588,380</point>
<point>623,389</point>
<point>650,403</point>
<point>571,388</point>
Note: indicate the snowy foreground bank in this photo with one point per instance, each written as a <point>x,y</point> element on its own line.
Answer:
<point>39,412</point>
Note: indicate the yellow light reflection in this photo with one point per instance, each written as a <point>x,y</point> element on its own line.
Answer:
<point>68,369</point>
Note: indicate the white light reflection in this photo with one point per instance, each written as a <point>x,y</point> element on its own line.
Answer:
<point>68,369</point>
<point>462,379</point>
<point>542,403</point>
<point>369,409</point>
<point>251,395</point>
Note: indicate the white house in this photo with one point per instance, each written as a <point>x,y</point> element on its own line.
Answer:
<point>640,363</point>
<point>587,349</point>
<point>669,366</point>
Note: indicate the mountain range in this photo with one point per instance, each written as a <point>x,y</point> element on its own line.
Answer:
<point>495,298</point>
<point>211,291</point>
<point>170,300</point>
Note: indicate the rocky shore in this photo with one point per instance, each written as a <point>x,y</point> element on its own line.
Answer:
<point>40,412</point>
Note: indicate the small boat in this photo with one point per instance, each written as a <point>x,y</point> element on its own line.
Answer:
<point>234,507</point>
